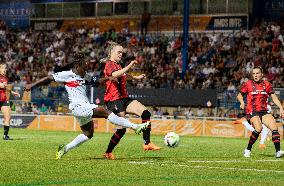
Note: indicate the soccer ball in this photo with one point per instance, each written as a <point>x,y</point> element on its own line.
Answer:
<point>171,139</point>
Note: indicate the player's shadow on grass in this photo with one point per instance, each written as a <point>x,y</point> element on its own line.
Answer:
<point>268,155</point>
<point>19,139</point>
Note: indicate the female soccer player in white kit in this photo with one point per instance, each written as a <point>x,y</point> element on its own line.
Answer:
<point>80,106</point>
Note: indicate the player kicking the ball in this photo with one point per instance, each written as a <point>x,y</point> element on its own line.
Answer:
<point>80,106</point>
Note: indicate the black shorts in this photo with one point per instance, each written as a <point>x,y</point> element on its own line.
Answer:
<point>119,105</point>
<point>4,104</point>
<point>88,127</point>
<point>241,115</point>
<point>260,114</point>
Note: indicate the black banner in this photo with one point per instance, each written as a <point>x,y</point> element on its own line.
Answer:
<point>18,121</point>
<point>166,97</point>
<point>273,9</point>
<point>16,14</point>
<point>46,25</point>
<point>227,23</point>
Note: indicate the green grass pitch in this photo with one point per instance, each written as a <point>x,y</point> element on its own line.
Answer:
<point>30,160</point>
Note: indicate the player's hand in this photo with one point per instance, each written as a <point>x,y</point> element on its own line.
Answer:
<point>28,87</point>
<point>134,62</point>
<point>17,94</point>
<point>141,76</point>
<point>242,106</point>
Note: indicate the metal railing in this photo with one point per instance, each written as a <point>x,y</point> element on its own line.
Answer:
<point>136,7</point>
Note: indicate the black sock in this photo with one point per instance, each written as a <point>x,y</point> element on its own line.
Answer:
<point>253,137</point>
<point>115,139</point>
<point>6,130</point>
<point>146,115</point>
<point>276,139</point>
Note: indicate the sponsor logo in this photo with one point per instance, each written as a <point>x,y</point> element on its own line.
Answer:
<point>19,121</point>
<point>189,129</point>
<point>223,130</point>
<point>49,119</point>
<point>13,122</point>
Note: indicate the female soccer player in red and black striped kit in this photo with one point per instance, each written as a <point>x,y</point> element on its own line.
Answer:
<point>117,100</point>
<point>4,100</point>
<point>257,92</point>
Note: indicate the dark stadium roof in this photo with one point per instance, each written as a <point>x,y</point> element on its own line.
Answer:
<point>59,1</point>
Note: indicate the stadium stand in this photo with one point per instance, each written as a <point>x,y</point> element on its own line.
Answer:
<point>216,60</point>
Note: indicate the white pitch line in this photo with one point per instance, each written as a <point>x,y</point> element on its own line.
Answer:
<point>141,162</point>
<point>269,160</point>
<point>232,168</point>
<point>230,161</point>
<point>208,167</point>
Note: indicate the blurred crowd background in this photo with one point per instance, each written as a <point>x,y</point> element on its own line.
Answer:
<point>220,60</point>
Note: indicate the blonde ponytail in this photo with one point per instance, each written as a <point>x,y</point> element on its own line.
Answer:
<point>111,45</point>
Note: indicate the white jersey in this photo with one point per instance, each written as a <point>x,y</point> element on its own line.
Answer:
<point>74,84</point>
<point>76,88</point>
<point>269,109</point>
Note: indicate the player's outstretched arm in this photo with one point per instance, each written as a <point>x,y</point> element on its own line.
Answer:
<point>278,103</point>
<point>141,76</point>
<point>43,81</point>
<point>120,72</point>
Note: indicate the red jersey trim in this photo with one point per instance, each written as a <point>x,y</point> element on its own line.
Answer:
<point>72,84</point>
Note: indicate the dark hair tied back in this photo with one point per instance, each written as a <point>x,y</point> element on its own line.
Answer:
<point>79,56</point>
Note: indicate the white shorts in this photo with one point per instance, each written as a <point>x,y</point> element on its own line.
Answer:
<point>83,112</point>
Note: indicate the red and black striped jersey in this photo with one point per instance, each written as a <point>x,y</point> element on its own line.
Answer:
<point>114,90</point>
<point>256,95</point>
<point>3,94</point>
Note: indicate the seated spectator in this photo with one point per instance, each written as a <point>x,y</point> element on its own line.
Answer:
<point>25,108</point>
<point>200,112</point>
<point>29,107</point>
<point>231,89</point>
<point>188,113</point>
<point>157,111</point>
<point>35,109</point>
<point>43,109</point>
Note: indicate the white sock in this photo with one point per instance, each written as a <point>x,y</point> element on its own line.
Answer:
<point>121,121</point>
<point>264,134</point>
<point>81,138</point>
<point>248,126</point>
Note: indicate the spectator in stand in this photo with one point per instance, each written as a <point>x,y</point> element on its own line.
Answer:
<point>32,54</point>
<point>231,89</point>
<point>145,20</point>
<point>29,107</point>
<point>157,111</point>
<point>35,109</point>
<point>43,109</point>
<point>200,112</point>
<point>188,113</point>
<point>25,108</point>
